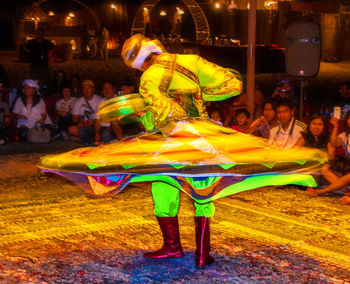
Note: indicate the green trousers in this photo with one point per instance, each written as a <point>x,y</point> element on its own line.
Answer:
<point>167,198</point>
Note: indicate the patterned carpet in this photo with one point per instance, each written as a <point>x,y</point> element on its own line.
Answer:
<point>51,232</point>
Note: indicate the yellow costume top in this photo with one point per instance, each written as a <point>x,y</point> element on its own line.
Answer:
<point>175,87</point>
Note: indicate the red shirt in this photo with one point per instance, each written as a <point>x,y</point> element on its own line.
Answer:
<point>236,127</point>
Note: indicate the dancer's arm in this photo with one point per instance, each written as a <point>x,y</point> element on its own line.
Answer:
<point>218,83</point>
<point>161,108</point>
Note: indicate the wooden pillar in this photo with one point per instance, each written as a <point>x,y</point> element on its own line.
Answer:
<point>251,57</point>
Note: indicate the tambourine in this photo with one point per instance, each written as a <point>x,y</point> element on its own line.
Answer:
<point>122,109</point>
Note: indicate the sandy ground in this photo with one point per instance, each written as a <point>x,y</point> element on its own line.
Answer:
<point>51,231</point>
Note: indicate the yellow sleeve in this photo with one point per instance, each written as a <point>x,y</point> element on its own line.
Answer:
<point>218,83</point>
<point>162,107</point>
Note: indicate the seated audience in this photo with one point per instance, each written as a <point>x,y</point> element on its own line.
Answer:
<point>283,90</point>
<point>131,129</point>
<point>216,117</point>
<point>240,102</point>
<point>83,114</point>
<point>127,87</point>
<point>343,96</point>
<point>340,164</point>
<point>288,132</point>
<point>29,109</point>
<point>316,135</point>
<point>242,120</point>
<point>105,132</point>
<point>4,121</point>
<point>261,126</point>
<point>64,109</point>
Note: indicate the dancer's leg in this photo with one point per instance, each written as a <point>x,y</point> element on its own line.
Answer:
<point>202,233</point>
<point>166,205</point>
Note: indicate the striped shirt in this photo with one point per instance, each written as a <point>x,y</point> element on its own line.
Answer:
<point>286,139</point>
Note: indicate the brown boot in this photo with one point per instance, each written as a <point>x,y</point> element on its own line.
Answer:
<point>172,246</point>
<point>202,242</point>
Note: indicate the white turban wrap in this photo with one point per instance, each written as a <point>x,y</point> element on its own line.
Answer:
<point>31,83</point>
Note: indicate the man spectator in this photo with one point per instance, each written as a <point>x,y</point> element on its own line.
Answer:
<point>262,125</point>
<point>288,132</point>
<point>127,87</point>
<point>103,39</point>
<point>92,42</point>
<point>105,132</point>
<point>38,49</point>
<point>83,113</point>
<point>343,96</point>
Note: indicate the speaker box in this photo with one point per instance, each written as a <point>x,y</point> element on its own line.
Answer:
<point>303,49</point>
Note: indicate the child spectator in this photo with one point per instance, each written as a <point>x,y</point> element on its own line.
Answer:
<point>340,164</point>
<point>242,119</point>
<point>64,111</point>
<point>261,126</point>
<point>216,117</point>
<point>105,132</point>
<point>288,132</point>
<point>30,109</point>
<point>83,114</point>
<point>240,102</point>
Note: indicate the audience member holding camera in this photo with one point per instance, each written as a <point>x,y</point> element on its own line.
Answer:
<point>83,114</point>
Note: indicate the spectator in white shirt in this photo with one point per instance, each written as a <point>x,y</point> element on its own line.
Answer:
<point>105,132</point>
<point>30,109</point>
<point>83,114</point>
<point>288,132</point>
<point>64,110</point>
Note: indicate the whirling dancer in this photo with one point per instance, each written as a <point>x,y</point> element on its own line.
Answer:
<point>182,149</point>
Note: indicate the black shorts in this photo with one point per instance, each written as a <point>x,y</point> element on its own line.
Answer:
<point>341,165</point>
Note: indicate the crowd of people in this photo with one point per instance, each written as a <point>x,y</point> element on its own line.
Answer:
<point>278,124</point>
<point>67,111</point>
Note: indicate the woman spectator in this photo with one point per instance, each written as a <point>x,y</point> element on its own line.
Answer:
<point>316,135</point>
<point>340,164</point>
<point>29,109</point>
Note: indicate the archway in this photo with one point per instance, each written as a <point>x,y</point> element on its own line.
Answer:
<point>200,20</point>
<point>94,16</point>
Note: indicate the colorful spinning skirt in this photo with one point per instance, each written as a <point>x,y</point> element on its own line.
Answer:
<point>203,159</point>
